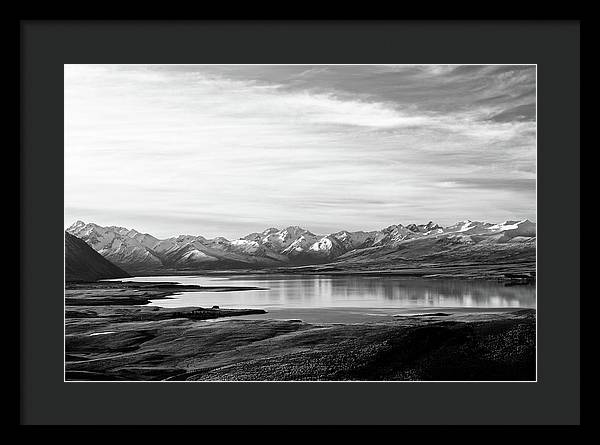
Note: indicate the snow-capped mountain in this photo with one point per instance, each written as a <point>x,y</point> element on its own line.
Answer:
<point>300,245</point>
<point>280,240</point>
<point>423,228</point>
<point>466,242</point>
<point>354,240</point>
<point>119,245</point>
<point>393,235</point>
<point>141,252</point>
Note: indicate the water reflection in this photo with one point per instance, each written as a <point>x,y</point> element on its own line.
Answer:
<point>323,291</point>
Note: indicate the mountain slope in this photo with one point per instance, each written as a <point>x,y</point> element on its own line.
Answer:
<point>396,245</point>
<point>82,263</point>
<point>119,245</point>
<point>466,242</point>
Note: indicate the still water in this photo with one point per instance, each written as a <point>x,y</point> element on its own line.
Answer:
<point>298,293</point>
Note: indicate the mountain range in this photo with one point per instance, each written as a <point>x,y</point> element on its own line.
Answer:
<point>412,244</point>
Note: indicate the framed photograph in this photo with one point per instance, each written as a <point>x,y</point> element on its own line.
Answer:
<point>288,224</point>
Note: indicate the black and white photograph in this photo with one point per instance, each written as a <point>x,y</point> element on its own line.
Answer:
<point>285,223</point>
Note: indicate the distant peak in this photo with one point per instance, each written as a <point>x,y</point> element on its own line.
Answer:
<point>77,224</point>
<point>295,229</point>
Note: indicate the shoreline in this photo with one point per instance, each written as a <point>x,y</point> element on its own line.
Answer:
<point>510,273</point>
<point>110,337</point>
<point>122,300</point>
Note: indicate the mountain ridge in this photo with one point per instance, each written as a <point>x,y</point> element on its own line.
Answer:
<point>134,251</point>
<point>83,263</point>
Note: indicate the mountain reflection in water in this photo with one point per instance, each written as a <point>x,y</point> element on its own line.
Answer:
<point>322,291</point>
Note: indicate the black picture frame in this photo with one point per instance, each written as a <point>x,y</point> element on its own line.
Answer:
<point>46,45</point>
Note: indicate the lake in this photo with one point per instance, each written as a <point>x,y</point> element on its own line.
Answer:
<point>349,298</point>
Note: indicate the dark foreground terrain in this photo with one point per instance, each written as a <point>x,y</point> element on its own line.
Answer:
<point>110,335</point>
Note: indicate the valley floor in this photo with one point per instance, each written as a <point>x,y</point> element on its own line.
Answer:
<point>111,335</point>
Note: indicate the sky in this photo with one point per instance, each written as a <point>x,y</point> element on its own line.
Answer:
<point>226,150</point>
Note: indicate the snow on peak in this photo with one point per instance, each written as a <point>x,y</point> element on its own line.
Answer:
<point>132,233</point>
<point>294,230</point>
<point>76,225</point>
<point>128,246</point>
<point>343,235</point>
<point>422,227</point>
<point>324,244</point>
<point>466,225</point>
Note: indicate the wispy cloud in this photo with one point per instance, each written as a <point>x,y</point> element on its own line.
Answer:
<point>225,150</point>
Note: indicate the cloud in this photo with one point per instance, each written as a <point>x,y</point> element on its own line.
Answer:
<point>512,184</point>
<point>524,112</point>
<point>225,150</point>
